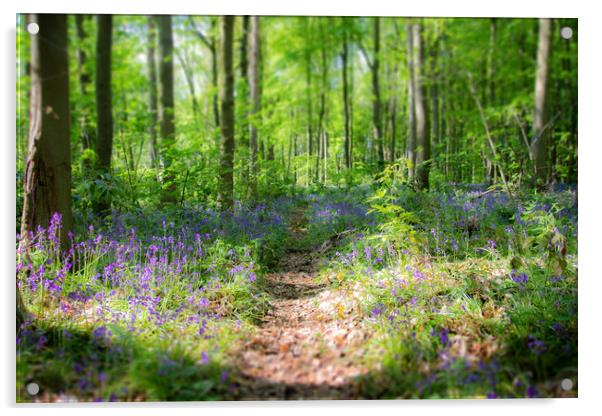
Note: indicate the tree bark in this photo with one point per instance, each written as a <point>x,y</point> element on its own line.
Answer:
<point>152,90</point>
<point>411,101</point>
<point>346,110</point>
<point>423,153</point>
<point>226,188</point>
<point>322,110</point>
<point>491,61</point>
<point>309,102</point>
<point>254,69</point>
<point>393,129</point>
<point>85,79</point>
<point>539,142</point>
<point>376,100</point>
<point>434,93</point>
<point>48,169</point>
<point>166,106</point>
<point>104,108</point>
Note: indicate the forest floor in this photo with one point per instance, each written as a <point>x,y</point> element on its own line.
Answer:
<point>311,343</point>
<point>317,297</point>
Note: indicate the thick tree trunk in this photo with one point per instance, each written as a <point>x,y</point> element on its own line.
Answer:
<point>411,151</point>
<point>539,143</point>
<point>423,153</point>
<point>152,90</point>
<point>48,169</point>
<point>104,107</point>
<point>254,69</point>
<point>226,188</point>
<point>166,106</point>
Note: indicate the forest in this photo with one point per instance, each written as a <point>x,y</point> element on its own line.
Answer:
<point>301,207</point>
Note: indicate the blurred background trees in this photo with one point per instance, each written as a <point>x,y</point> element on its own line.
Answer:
<point>176,110</point>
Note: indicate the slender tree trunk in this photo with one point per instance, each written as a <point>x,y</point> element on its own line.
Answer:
<point>214,72</point>
<point>244,93</point>
<point>393,129</point>
<point>322,111</point>
<point>411,102</point>
<point>254,66</point>
<point>346,110</point>
<point>491,61</point>
<point>152,90</point>
<point>490,91</point>
<point>244,74</point>
<point>423,153</point>
<point>86,130</point>
<point>48,168</point>
<point>434,93</point>
<point>351,88</point>
<point>309,109</point>
<point>104,107</point>
<point>539,143</point>
<point>167,130</point>
<point>376,103</point>
<point>226,184</point>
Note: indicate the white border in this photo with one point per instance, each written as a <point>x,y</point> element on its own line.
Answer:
<point>590,70</point>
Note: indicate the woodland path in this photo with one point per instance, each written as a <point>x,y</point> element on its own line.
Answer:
<point>311,343</point>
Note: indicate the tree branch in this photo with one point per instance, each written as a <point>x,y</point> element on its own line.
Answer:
<point>200,33</point>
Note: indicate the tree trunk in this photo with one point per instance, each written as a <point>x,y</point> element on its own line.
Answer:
<point>376,103</point>
<point>491,61</point>
<point>346,112</point>
<point>434,93</point>
<point>393,129</point>
<point>152,89</point>
<point>254,66</point>
<point>422,133</point>
<point>309,106</point>
<point>322,111</point>
<point>539,143</point>
<point>104,108</point>
<point>411,101</point>
<point>244,72</point>
<point>85,79</point>
<point>48,169</point>
<point>226,186</point>
<point>214,71</point>
<point>166,107</point>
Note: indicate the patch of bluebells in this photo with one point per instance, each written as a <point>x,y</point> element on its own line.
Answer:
<point>520,279</point>
<point>147,284</point>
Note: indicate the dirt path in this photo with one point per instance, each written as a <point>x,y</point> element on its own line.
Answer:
<point>310,345</point>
